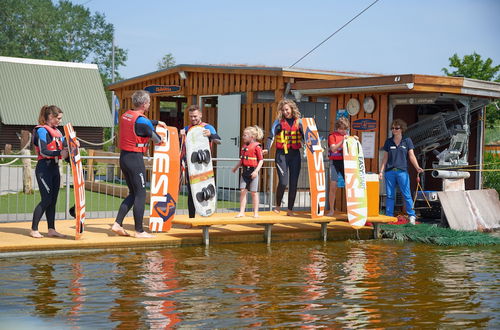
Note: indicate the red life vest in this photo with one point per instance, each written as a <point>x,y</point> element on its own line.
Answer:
<point>129,141</point>
<point>249,153</point>
<point>289,137</point>
<point>55,144</point>
<point>334,138</point>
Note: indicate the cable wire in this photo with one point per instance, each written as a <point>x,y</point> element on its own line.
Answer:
<point>331,35</point>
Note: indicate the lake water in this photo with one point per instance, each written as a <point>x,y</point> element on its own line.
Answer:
<point>354,284</point>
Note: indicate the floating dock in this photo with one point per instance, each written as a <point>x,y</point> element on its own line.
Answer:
<point>14,236</point>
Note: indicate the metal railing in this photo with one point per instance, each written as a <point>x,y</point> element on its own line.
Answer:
<point>106,188</point>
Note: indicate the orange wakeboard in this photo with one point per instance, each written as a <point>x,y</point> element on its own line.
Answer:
<point>165,180</point>
<point>78,179</point>
<point>315,166</point>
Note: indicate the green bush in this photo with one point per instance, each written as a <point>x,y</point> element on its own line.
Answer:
<point>491,179</point>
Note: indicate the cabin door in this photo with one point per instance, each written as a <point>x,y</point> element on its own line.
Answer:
<point>228,127</point>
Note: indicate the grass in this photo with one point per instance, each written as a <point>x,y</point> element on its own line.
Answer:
<point>431,234</point>
<point>25,203</point>
<point>492,135</point>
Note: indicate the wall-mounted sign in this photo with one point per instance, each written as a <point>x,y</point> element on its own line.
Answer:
<point>341,113</point>
<point>163,89</point>
<point>368,144</point>
<point>364,124</point>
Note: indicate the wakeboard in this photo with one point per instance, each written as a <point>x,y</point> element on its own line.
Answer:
<point>315,166</point>
<point>201,173</point>
<point>164,180</point>
<point>355,182</point>
<point>78,179</point>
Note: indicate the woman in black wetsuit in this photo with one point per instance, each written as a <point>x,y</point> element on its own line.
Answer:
<point>287,130</point>
<point>48,141</point>
<point>135,131</point>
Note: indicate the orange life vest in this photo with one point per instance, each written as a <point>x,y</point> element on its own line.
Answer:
<point>129,141</point>
<point>248,154</point>
<point>289,137</point>
<point>55,144</point>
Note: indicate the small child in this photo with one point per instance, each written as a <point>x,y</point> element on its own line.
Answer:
<point>251,160</point>
<point>335,141</point>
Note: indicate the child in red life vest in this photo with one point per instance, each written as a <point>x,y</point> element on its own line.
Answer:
<point>335,155</point>
<point>251,160</point>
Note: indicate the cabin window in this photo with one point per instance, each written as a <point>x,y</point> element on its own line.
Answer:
<point>264,97</point>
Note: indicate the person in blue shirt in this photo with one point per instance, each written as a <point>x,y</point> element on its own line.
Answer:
<point>398,150</point>
<point>50,148</point>
<point>195,119</point>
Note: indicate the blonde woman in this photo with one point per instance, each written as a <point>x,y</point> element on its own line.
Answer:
<point>287,130</point>
<point>251,160</point>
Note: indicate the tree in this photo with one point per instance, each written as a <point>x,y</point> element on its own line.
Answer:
<point>63,32</point>
<point>473,66</point>
<point>166,62</point>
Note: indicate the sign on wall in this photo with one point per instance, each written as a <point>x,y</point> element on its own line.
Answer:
<point>163,89</point>
<point>364,124</point>
<point>368,144</point>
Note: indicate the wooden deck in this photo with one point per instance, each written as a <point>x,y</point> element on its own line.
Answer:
<point>225,228</point>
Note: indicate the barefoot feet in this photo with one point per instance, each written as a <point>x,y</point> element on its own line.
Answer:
<point>143,235</point>
<point>239,215</point>
<point>54,233</point>
<point>35,234</point>
<point>119,230</point>
<point>277,210</point>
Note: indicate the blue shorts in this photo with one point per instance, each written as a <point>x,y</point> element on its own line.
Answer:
<point>336,168</point>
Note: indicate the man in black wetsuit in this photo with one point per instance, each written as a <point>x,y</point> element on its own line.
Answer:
<point>135,131</point>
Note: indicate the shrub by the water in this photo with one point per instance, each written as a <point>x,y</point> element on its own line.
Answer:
<point>491,179</point>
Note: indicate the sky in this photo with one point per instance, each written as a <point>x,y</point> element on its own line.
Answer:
<point>392,37</point>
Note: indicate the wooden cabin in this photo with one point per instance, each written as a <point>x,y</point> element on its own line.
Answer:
<point>234,97</point>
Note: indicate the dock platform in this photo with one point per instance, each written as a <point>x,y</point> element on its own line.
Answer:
<point>224,228</point>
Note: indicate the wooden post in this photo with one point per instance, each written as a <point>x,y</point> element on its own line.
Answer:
<point>27,178</point>
<point>8,149</point>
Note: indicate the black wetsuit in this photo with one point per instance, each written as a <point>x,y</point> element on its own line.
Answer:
<point>48,178</point>
<point>287,165</point>
<point>132,166</point>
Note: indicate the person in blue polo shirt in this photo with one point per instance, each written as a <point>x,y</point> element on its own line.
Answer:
<point>395,168</point>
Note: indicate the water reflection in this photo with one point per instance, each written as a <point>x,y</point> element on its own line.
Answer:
<point>314,288</point>
<point>78,292</point>
<point>43,294</point>
<point>127,310</point>
<point>161,283</point>
<point>336,285</point>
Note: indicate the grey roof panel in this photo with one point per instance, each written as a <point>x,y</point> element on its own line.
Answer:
<point>26,85</point>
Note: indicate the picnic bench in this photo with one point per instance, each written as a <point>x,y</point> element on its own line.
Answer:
<point>271,219</point>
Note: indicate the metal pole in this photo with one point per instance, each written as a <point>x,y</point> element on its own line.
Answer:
<point>113,107</point>
<point>271,185</point>
<point>68,186</point>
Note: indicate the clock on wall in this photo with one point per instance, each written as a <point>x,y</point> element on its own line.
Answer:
<point>369,104</point>
<point>353,106</point>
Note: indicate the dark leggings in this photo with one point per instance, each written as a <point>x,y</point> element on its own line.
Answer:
<point>288,166</point>
<point>132,166</point>
<point>47,176</point>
